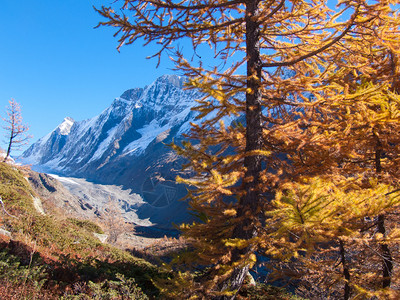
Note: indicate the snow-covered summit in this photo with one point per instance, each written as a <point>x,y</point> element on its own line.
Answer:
<point>174,80</point>
<point>65,127</point>
<point>48,145</point>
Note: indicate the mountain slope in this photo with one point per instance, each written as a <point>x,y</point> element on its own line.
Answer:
<point>46,255</point>
<point>52,256</point>
<point>125,128</point>
<point>126,145</point>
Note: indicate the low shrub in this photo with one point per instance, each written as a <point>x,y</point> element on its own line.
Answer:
<point>119,289</point>
<point>86,225</point>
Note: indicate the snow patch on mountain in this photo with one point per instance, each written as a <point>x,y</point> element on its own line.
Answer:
<point>149,133</point>
<point>65,126</point>
<point>104,144</point>
<point>98,197</point>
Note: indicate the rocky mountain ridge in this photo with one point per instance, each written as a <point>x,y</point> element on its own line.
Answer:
<point>126,146</point>
<point>126,128</point>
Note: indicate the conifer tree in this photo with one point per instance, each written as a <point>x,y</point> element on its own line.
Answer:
<point>281,55</point>
<point>374,89</point>
<point>356,134</point>
<point>322,223</point>
<point>364,124</point>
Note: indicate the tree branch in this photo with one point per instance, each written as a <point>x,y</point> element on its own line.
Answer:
<point>4,209</point>
<point>303,57</point>
<point>171,5</point>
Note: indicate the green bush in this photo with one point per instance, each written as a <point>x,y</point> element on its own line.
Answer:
<point>262,291</point>
<point>120,289</point>
<point>12,270</point>
<point>87,225</point>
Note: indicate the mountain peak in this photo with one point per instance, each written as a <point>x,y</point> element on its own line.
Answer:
<point>132,94</point>
<point>174,80</point>
<point>65,127</point>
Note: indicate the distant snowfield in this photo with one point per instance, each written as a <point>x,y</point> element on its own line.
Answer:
<point>149,133</point>
<point>99,197</point>
<point>63,180</point>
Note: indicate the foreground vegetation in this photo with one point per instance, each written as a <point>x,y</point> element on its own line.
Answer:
<point>49,256</point>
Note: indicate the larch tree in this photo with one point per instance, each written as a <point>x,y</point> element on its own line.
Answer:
<point>371,98</point>
<point>274,65</point>
<point>324,223</point>
<point>16,131</point>
<point>353,133</point>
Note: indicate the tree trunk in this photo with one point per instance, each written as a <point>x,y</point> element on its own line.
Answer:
<point>387,265</point>
<point>9,148</point>
<point>251,200</point>
<point>346,272</point>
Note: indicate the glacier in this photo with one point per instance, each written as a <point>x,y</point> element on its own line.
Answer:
<point>126,145</point>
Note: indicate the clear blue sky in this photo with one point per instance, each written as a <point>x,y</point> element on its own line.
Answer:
<point>55,64</point>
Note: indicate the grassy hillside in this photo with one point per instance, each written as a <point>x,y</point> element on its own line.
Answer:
<point>54,256</point>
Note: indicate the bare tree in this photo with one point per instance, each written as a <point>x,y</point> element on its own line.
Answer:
<point>15,129</point>
<point>114,222</point>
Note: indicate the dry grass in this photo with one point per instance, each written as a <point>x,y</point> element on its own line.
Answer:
<point>160,250</point>
<point>11,291</point>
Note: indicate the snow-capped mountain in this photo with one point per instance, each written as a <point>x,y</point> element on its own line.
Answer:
<point>49,145</point>
<point>126,143</point>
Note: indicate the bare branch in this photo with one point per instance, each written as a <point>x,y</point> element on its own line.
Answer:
<point>308,55</point>
<point>4,209</point>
